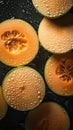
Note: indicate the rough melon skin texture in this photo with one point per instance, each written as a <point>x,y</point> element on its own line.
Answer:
<point>56,36</point>
<point>23,88</point>
<point>3,105</point>
<point>58,74</point>
<point>53,8</point>
<point>47,116</point>
<point>18,42</point>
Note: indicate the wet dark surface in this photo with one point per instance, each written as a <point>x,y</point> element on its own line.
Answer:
<point>23,9</point>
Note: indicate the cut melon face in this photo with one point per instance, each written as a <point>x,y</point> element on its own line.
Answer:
<point>58,74</point>
<point>18,42</point>
<point>56,36</point>
<point>3,105</point>
<point>23,88</point>
<point>47,116</point>
<point>53,8</point>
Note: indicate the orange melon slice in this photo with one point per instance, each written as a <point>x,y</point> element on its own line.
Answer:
<point>56,36</point>
<point>23,88</point>
<point>58,73</point>
<point>3,105</point>
<point>18,42</point>
<point>47,116</point>
<point>53,8</point>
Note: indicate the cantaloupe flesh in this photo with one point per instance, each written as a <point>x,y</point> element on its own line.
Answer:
<point>56,36</point>
<point>53,8</point>
<point>23,88</point>
<point>56,82</point>
<point>3,105</point>
<point>47,116</point>
<point>32,44</point>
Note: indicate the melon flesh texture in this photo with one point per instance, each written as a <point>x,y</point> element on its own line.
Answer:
<point>56,36</point>
<point>23,88</point>
<point>3,105</point>
<point>18,42</point>
<point>58,73</point>
<point>53,8</point>
<point>47,116</point>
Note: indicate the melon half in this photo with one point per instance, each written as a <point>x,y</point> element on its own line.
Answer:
<point>58,73</point>
<point>47,116</point>
<point>52,8</point>
<point>23,88</point>
<point>18,42</point>
<point>56,36</point>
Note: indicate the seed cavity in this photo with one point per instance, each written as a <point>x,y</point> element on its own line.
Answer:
<point>43,124</point>
<point>14,41</point>
<point>65,70</point>
<point>22,89</point>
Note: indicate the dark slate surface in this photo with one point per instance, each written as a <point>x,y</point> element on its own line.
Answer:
<point>23,9</point>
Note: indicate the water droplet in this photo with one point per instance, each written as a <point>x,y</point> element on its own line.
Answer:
<point>24,81</point>
<point>66,94</point>
<point>50,79</point>
<point>36,6</point>
<point>48,12</point>
<point>40,101</point>
<point>38,97</point>
<point>9,80</point>
<point>9,99</point>
<point>12,78</point>
<point>53,49</point>
<point>17,104</point>
<point>31,103</point>
<point>49,74</point>
<point>51,15</point>
<point>5,90</point>
<point>12,17</point>
<point>35,102</point>
<point>51,64</point>
<point>1,2</point>
<point>39,92</point>
<point>23,10</point>
<point>65,89</point>
<point>72,45</point>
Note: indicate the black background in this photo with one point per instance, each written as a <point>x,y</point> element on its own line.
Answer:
<point>23,9</point>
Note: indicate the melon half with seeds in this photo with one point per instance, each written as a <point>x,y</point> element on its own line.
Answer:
<point>56,35</point>
<point>53,8</point>
<point>18,42</point>
<point>48,116</point>
<point>58,73</point>
<point>23,88</point>
<point>3,105</point>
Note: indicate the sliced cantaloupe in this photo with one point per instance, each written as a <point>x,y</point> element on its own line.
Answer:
<point>18,42</point>
<point>53,8</point>
<point>3,105</point>
<point>47,116</point>
<point>58,73</point>
<point>56,36</point>
<point>23,88</point>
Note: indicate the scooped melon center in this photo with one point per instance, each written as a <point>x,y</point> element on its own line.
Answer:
<point>22,89</point>
<point>14,41</point>
<point>65,70</point>
<point>43,124</point>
